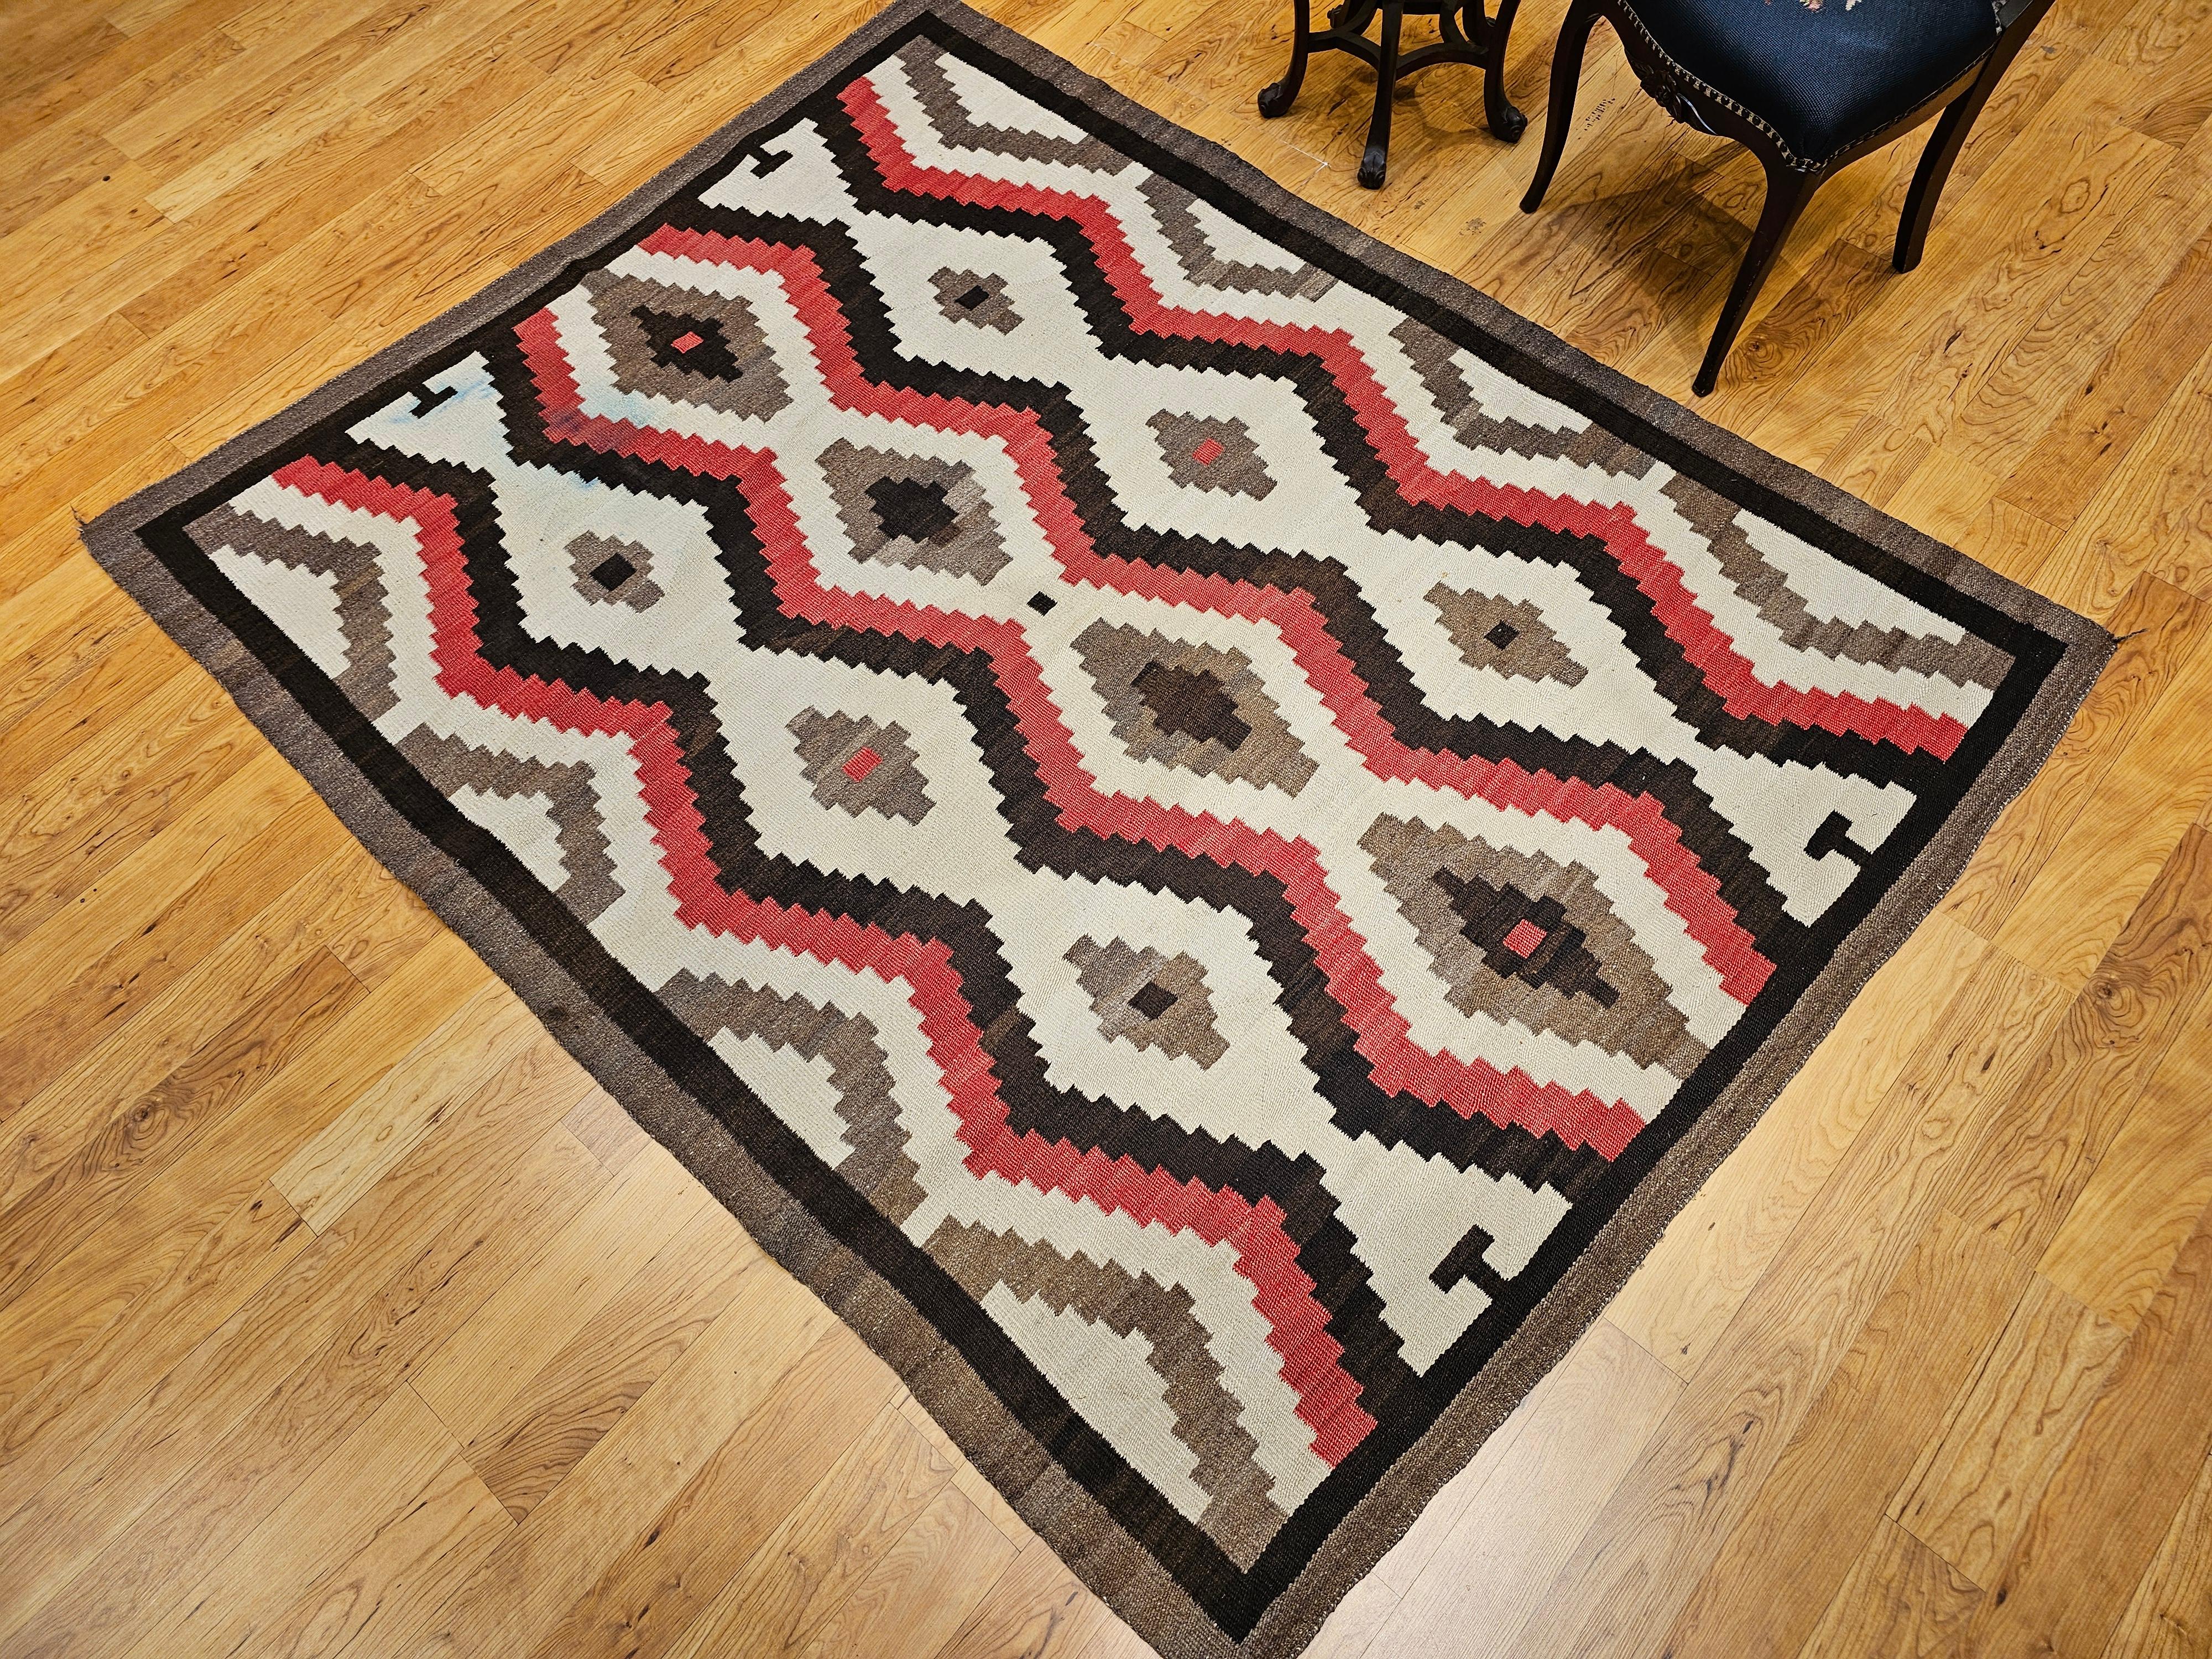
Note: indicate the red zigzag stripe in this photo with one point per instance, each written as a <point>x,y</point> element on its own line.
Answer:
<point>1282,1291</point>
<point>1724,669</point>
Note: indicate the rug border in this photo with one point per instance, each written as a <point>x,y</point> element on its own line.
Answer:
<point>1064,1515</point>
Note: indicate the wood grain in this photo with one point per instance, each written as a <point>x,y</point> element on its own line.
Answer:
<point>340,1314</point>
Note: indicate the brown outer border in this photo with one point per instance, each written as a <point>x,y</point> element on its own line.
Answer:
<point>1057,1508</point>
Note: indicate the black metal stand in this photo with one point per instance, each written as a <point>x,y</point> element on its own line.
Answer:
<point>1469,36</point>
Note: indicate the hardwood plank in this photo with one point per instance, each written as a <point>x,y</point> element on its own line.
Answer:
<point>150,1259</point>
<point>921,1592</point>
<point>2021,1177</point>
<point>2100,1521</point>
<point>113,793</point>
<point>150,1131</point>
<point>486,1031</point>
<point>1956,501</point>
<point>2007,1432</point>
<point>52,731</point>
<point>326,907</point>
<point>802,1571</point>
<point>2076,904</point>
<point>384,1286</point>
<point>2170,1614</point>
<point>2044,206</point>
<point>1681,1300</point>
<point>2150,1187</point>
<point>471,1380</point>
<point>1037,1609</point>
<point>1918,1348</point>
<point>1352,1630</point>
<point>2106,413</point>
<point>2011,407</point>
<point>2159,627</point>
<point>2148,513</point>
<point>553,1421</point>
<point>78,1360</point>
<point>669,1578</point>
<point>569,1542</point>
<point>328,1518</point>
<point>612,1135</point>
<point>149,1563</point>
<point>2174,83</point>
<point>59,626</point>
<point>382,1597</point>
<point>1900,1600</point>
<point>54,1014</point>
<point>1484,1580</point>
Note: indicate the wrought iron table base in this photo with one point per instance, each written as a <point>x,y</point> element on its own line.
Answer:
<point>1482,45</point>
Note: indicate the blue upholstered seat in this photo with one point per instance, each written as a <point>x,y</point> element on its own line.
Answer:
<point>1822,77</point>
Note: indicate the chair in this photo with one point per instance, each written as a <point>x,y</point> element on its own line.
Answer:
<point>1480,40</point>
<point>1808,87</point>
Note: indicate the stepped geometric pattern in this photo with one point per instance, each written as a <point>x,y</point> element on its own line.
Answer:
<point>1206,829</point>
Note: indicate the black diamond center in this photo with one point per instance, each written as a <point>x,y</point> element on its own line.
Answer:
<point>709,355</point>
<point>1152,1001</point>
<point>1191,701</point>
<point>613,571</point>
<point>974,297</point>
<point>1503,634</point>
<point>1487,914</point>
<point>911,508</point>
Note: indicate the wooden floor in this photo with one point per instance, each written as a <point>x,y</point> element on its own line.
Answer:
<point>339,1313</point>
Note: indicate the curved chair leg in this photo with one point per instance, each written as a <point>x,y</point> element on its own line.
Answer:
<point>1276,99</point>
<point>1787,193</point>
<point>1566,78</point>
<point>1934,169</point>
<point>1506,121</point>
<point>1377,162</point>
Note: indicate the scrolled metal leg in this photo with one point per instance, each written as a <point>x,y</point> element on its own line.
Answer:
<point>1506,121</point>
<point>1376,163</point>
<point>1277,99</point>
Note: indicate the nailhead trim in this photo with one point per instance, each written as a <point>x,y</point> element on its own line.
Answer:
<point>1796,162</point>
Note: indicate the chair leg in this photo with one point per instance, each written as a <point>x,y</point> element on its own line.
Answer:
<point>1950,135</point>
<point>1506,121</point>
<point>1566,78</point>
<point>1928,179</point>
<point>1377,162</point>
<point>1277,99</point>
<point>1787,193</point>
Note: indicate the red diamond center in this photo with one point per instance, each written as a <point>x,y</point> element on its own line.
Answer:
<point>1208,453</point>
<point>685,341</point>
<point>868,760</point>
<point>1524,939</point>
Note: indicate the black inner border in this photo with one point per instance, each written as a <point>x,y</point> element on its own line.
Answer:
<point>1234,1599</point>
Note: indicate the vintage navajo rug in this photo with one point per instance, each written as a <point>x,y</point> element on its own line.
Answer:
<point>1203,832</point>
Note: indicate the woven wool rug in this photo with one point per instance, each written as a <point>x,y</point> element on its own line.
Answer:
<point>1203,832</point>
